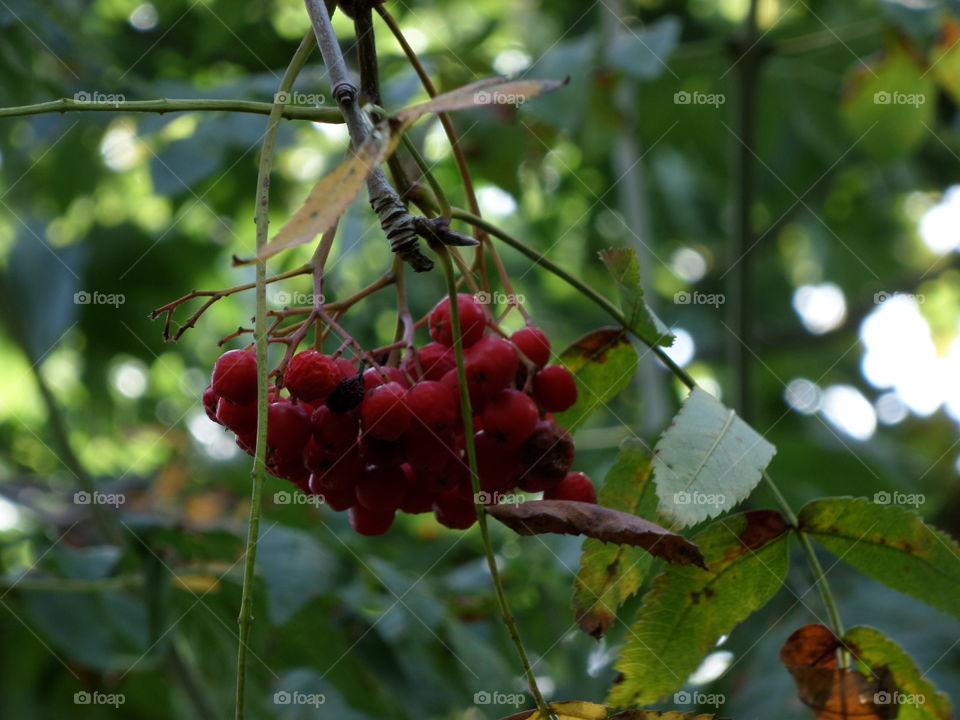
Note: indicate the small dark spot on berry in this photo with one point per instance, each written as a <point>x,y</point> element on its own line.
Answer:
<point>347,394</point>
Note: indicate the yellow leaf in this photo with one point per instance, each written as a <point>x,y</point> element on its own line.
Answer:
<point>572,710</point>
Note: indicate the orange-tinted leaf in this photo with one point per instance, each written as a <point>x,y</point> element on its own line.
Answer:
<point>567,517</point>
<point>833,692</point>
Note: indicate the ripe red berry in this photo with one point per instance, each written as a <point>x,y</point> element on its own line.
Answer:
<point>435,361</point>
<point>337,499</point>
<point>371,522</point>
<point>382,488</point>
<point>242,419</point>
<point>311,375</point>
<point>288,429</point>
<point>210,400</point>
<point>332,431</point>
<point>384,413</point>
<point>428,453</point>
<point>491,365</point>
<point>575,486</point>
<point>554,388</point>
<point>498,466</point>
<point>472,321</point>
<point>533,343</point>
<point>346,367</point>
<point>433,406</point>
<point>235,376</point>
<point>509,417</point>
<point>454,511</point>
<point>372,377</point>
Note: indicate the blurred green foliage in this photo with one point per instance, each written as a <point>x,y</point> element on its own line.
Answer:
<point>148,207</point>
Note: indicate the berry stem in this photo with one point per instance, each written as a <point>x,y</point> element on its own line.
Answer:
<point>817,570</point>
<point>245,618</point>
<point>466,410</point>
<point>466,179</point>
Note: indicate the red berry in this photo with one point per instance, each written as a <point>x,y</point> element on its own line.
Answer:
<point>533,343</point>
<point>509,417</point>
<point>242,419</point>
<point>435,361</point>
<point>371,522</point>
<point>235,376</point>
<point>499,467</point>
<point>433,406</point>
<point>332,431</point>
<point>455,511</point>
<point>311,375</point>
<point>372,377</point>
<point>210,399</point>
<point>346,367</point>
<point>247,443</point>
<point>288,428</point>
<point>428,453</point>
<point>382,488</point>
<point>337,499</point>
<point>575,486</point>
<point>384,413</point>
<point>472,321</point>
<point>339,472</point>
<point>491,365</point>
<point>554,388</point>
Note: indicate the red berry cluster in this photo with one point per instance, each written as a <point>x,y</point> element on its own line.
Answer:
<point>384,439</point>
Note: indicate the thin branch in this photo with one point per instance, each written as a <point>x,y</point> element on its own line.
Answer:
<point>245,618</point>
<point>168,105</point>
<point>396,222</point>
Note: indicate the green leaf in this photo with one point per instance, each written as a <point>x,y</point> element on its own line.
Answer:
<point>890,544</point>
<point>945,58</point>
<point>688,608</point>
<point>295,568</point>
<point>602,362</point>
<point>707,461</point>
<point>625,268</point>
<point>889,102</point>
<point>916,698</point>
<point>642,52</point>
<point>609,574</point>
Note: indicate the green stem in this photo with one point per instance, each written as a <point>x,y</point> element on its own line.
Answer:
<point>820,579</point>
<point>262,220</point>
<point>467,412</point>
<point>819,576</point>
<point>577,284</point>
<point>165,105</point>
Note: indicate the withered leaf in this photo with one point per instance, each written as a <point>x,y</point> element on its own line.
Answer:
<point>831,691</point>
<point>568,517</point>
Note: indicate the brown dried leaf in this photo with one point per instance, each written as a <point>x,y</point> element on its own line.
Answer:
<point>832,692</point>
<point>329,198</point>
<point>489,91</point>
<point>567,517</point>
